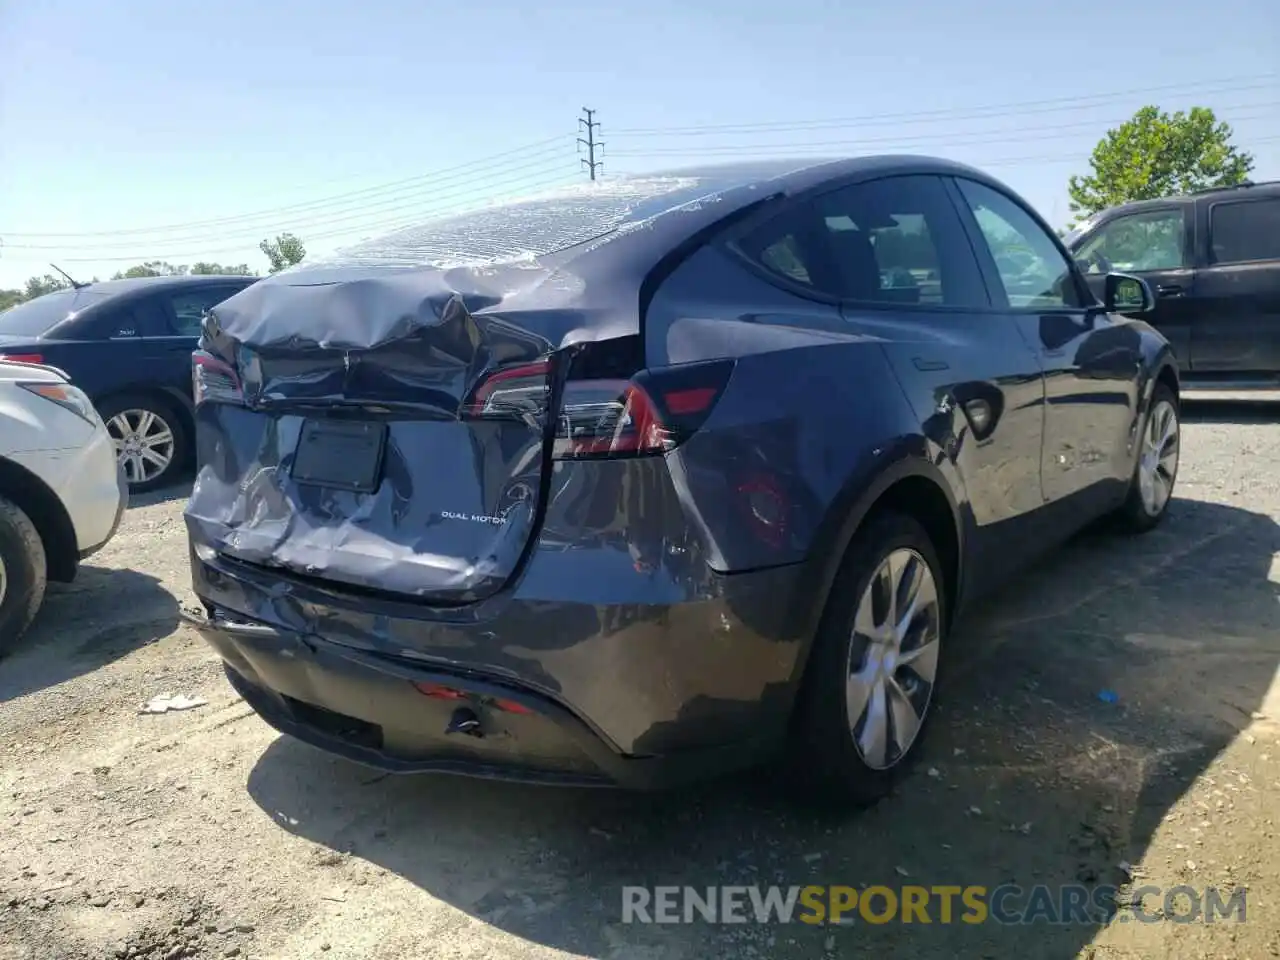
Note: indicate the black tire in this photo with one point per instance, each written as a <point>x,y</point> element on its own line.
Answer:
<point>825,758</point>
<point>1133,516</point>
<point>22,554</point>
<point>165,411</point>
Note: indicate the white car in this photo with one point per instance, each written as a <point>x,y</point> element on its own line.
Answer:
<point>62,493</point>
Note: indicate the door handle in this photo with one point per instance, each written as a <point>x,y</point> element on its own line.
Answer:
<point>928,365</point>
<point>1169,290</point>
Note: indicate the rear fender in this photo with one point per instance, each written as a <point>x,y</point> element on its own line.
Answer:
<point>905,458</point>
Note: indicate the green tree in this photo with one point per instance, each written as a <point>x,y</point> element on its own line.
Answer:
<point>11,298</point>
<point>210,269</point>
<point>160,268</point>
<point>152,268</point>
<point>1156,154</point>
<point>39,286</point>
<point>284,251</point>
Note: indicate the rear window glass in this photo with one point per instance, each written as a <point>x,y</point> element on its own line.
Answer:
<point>530,228</point>
<point>1242,231</point>
<point>36,317</point>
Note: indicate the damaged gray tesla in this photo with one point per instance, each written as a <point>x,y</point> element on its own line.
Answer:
<point>643,480</point>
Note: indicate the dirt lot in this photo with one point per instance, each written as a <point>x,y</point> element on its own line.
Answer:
<point>203,834</point>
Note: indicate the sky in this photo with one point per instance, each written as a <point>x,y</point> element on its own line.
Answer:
<point>145,129</point>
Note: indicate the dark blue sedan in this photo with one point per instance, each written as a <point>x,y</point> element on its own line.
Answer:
<point>126,343</point>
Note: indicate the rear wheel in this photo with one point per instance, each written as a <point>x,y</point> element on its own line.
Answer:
<point>150,440</point>
<point>873,672</point>
<point>22,574</point>
<point>1154,475</point>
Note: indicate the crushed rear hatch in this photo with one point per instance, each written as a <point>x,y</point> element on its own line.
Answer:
<point>383,420</point>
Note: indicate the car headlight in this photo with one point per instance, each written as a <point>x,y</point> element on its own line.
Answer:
<point>65,395</point>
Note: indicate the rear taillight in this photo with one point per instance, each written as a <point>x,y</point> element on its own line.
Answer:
<point>22,357</point>
<point>647,414</point>
<point>515,391</point>
<point>214,380</point>
<point>652,413</point>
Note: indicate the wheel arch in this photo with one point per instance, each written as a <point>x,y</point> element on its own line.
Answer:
<point>173,401</point>
<point>37,500</point>
<point>1167,376</point>
<point>910,484</point>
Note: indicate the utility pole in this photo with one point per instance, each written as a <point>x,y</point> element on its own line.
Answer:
<point>590,125</point>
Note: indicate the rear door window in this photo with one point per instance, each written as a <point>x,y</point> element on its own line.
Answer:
<point>1244,231</point>
<point>1140,241</point>
<point>899,241</point>
<point>187,307</point>
<point>894,241</point>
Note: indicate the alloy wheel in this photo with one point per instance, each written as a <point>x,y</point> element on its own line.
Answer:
<point>893,658</point>
<point>1158,464</point>
<point>4,579</point>
<point>144,444</point>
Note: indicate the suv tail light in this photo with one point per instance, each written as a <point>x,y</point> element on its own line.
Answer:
<point>646,415</point>
<point>214,379</point>
<point>22,357</point>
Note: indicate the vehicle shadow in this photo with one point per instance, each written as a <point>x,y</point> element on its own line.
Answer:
<point>177,491</point>
<point>1084,701</point>
<point>1243,410</point>
<point>102,616</point>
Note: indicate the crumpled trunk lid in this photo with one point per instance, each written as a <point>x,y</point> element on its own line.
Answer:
<point>348,430</point>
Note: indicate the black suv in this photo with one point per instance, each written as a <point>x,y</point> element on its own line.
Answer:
<point>1213,260</point>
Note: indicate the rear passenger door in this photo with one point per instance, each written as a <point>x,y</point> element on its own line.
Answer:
<point>173,328</point>
<point>1237,329</point>
<point>110,353</point>
<point>907,274</point>
<point>1091,360</point>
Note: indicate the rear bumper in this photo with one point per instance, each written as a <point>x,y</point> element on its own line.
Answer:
<point>639,701</point>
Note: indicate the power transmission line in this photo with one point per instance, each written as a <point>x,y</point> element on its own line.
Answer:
<point>371,212</point>
<point>590,142</point>
<point>950,138</point>
<point>1265,81</point>
<point>524,190</point>
<point>429,179</point>
<point>390,205</point>
<point>418,219</point>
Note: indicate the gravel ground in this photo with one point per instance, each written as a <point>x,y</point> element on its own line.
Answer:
<point>203,834</point>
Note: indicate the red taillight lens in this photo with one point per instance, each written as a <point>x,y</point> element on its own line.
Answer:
<point>214,379</point>
<point>608,418</point>
<point>650,413</point>
<point>22,357</point>
<point>515,391</point>
<point>653,412</point>
<point>510,706</point>
<point>439,691</point>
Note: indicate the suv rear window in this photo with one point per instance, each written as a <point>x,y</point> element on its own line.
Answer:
<point>1245,230</point>
<point>37,317</point>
